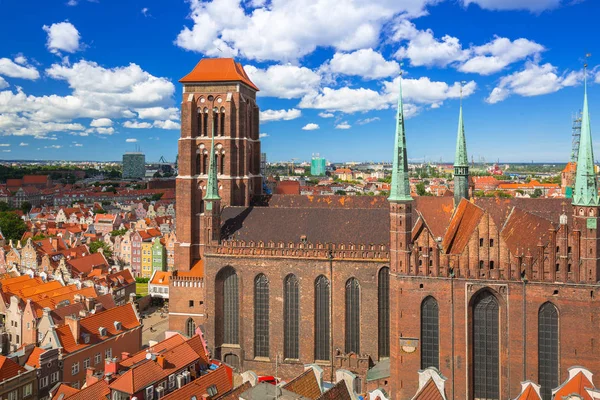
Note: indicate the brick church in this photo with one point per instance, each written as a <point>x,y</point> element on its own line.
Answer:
<point>489,291</point>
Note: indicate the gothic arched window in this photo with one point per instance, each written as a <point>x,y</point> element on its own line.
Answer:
<point>228,280</point>
<point>548,349</point>
<point>352,316</point>
<point>190,327</point>
<point>430,333</point>
<point>383,311</point>
<point>291,317</point>
<point>322,318</point>
<point>200,115</point>
<point>198,171</point>
<point>486,353</point>
<point>222,123</point>
<point>261,316</point>
<point>222,166</point>
<point>215,125</point>
<point>205,163</point>
<point>205,122</point>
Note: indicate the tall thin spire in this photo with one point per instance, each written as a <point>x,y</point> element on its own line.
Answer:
<point>212,187</point>
<point>461,160</point>
<point>586,185</point>
<point>400,188</point>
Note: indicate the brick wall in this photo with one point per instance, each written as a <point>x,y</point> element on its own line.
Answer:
<point>306,270</point>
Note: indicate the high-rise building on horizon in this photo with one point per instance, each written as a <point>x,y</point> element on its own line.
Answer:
<point>317,165</point>
<point>134,165</point>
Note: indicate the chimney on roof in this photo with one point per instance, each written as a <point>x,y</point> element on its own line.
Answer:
<point>205,396</point>
<point>97,307</point>
<point>160,360</point>
<point>73,322</point>
<point>125,355</point>
<point>90,303</point>
<point>90,376</point>
<point>110,366</point>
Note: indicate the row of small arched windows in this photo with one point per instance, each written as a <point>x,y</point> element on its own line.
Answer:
<point>217,120</point>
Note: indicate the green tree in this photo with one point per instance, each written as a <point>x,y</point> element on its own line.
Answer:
<point>340,192</point>
<point>26,207</point>
<point>421,189</point>
<point>94,246</point>
<point>12,225</point>
<point>536,193</point>
<point>4,206</point>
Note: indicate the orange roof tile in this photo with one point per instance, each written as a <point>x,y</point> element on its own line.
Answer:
<point>84,265</point>
<point>64,390</point>
<point>463,223</point>
<point>97,390</point>
<point>575,385</point>
<point>218,70</point>
<point>529,393</point>
<point>90,325</point>
<point>161,278</point>
<point>429,392</point>
<point>160,347</point>
<point>150,371</point>
<point>34,357</point>
<point>9,368</point>
<point>220,377</point>
<point>197,270</point>
<point>305,384</point>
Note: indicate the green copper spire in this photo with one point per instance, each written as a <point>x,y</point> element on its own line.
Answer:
<point>586,185</point>
<point>212,188</point>
<point>461,160</point>
<point>400,188</point>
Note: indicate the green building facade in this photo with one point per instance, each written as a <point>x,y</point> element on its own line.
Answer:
<point>159,256</point>
<point>317,166</point>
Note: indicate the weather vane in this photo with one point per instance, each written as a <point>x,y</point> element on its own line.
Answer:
<point>401,65</point>
<point>462,83</point>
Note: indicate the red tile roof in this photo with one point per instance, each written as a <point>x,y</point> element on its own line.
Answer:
<point>64,390</point>
<point>9,368</point>
<point>528,393</point>
<point>97,390</point>
<point>463,224</point>
<point>429,392</point>
<point>220,377</point>
<point>305,384</point>
<point>576,384</point>
<point>218,70</point>
<point>84,265</point>
<point>90,325</point>
<point>160,347</point>
<point>34,357</point>
<point>161,278</point>
<point>150,371</point>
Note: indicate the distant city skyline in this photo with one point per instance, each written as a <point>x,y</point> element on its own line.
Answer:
<point>72,89</point>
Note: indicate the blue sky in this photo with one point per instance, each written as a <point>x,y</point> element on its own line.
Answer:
<point>84,79</point>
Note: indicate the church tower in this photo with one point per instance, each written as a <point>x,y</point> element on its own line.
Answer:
<point>219,103</point>
<point>401,204</point>
<point>585,198</point>
<point>211,217</point>
<point>461,161</point>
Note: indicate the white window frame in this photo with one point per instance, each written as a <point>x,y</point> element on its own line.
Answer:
<point>86,363</point>
<point>150,393</point>
<point>108,353</point>
<point>97,358</point>
<point>75,368</point>
<point>28,390</point>
<point>44,381</point>
<point>54,377</point>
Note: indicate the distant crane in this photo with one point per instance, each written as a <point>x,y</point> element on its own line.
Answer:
<point>292,165</point>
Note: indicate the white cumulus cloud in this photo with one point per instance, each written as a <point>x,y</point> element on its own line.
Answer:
<point>284,81</point>
<point>62,36</point>
<point>101,122</point>
<point>137,125</point>
<point>23,144</point>
<point>279,115</point>
<point>533,80</point>
<point>310,127</point>
<point>168,124</point>
<point>343,125</point>
<point>263,135</point>
<point>130,140</point>
<point>499,53</point>
<point>326,115</point>
<point>289,30</point>
<point>366,63</point>
<point>13,70</point>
